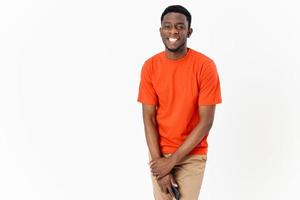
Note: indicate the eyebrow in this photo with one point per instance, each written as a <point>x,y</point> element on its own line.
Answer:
<point>171,23</point>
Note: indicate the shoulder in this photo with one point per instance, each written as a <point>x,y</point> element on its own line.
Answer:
<point>153,60</point>
<point>203,64</point>
<point>201,57</point>
<point>155,57</point>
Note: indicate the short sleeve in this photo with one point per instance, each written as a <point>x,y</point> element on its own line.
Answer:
<point>209,90</point>
<point>147,94</point>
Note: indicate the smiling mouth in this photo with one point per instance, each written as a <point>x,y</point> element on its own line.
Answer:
<point>172,40</point>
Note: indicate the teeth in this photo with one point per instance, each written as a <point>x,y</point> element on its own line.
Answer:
<point>172,39</point>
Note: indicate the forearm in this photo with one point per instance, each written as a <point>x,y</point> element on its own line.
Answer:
<point>152,138</point>
<point>193,139</point>
<point>162,166</point>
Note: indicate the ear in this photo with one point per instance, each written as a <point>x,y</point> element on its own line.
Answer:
<point>190,31</point>
<point>160,31</point>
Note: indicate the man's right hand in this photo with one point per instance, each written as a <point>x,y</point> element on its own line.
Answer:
<point>165,183</point>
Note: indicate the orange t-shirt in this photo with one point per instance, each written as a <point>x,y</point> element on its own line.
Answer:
<point>178,87</point>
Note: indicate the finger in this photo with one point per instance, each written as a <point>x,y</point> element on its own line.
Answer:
<point>151,162</point>
<point>152,165</point>
<point>159,177</point>
<point>155,175</point>
<point>154,172</point>
<point>161,188</point>
<point>165,189</point>
<point>161,174</point>
<point>171,191</point>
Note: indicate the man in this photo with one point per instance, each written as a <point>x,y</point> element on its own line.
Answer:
<point>179,89</point>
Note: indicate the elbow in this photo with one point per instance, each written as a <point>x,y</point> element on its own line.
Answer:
<point>150,121</point>
<point>207,125</point>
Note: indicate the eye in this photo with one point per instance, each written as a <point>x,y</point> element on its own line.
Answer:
<point>166,26</point>
<point>180,27</point>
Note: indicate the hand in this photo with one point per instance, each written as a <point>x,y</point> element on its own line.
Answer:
<point>165,184</point>
<point>161,166</point>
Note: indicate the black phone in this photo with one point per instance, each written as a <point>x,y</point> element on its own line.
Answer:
<point>175,192</point>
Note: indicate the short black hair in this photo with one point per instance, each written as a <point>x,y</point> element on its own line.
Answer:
<point>177,9</point>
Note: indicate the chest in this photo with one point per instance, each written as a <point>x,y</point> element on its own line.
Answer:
<point>176,81</point>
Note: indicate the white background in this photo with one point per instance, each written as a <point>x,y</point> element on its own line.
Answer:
<point>70,125</point>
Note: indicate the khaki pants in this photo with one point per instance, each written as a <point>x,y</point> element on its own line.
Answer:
<point>188,175</point>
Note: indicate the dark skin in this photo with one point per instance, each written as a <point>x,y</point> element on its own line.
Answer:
<point>152,138</point>
<point>175,25</point>
<point>174,32</point>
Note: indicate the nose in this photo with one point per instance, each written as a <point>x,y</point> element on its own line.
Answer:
<point>174,30</point>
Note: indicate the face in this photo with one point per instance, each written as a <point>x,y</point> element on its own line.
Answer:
<point>174,31</point>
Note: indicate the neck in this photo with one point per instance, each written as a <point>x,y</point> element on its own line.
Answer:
<point>175,55</point>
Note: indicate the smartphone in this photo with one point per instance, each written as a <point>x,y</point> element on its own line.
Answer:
<point>176,192</point>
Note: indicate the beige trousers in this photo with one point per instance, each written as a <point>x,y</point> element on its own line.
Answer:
<point>188,175</point>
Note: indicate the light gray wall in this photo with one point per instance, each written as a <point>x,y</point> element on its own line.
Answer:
<point>70,125</point>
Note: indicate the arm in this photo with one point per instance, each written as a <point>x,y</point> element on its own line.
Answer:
<point>149,117</point>
<point>198,133</point>
<point>150,126</point>
<point>160,167</point>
